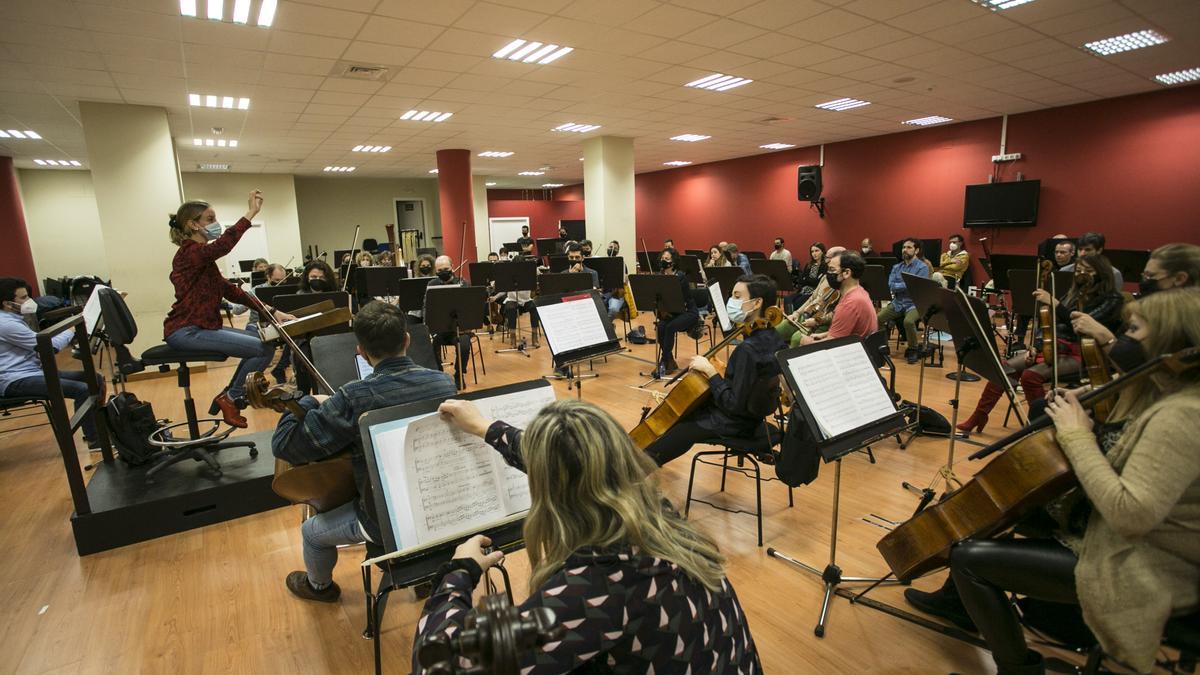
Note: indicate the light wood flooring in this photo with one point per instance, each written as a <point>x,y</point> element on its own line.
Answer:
<point>213,599</point>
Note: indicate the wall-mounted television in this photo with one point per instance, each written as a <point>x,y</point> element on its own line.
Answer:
<point>1011,204</point>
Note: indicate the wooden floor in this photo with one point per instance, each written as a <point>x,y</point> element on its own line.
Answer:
<point>213,599</point>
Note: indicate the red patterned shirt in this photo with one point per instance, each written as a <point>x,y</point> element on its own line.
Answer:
<point>199,285</point>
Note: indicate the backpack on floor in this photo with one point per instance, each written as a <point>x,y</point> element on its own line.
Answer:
<point>130,423</point>
<point>932,421</point>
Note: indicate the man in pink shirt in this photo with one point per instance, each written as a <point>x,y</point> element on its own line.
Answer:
<point>855,313</point>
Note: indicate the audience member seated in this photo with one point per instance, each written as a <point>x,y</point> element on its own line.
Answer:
<point>806,278</point>
<point>781,253</point>
<point>736,257</point>
<point>716,258</point>
<point>902,306</point>
<point>954,263</point>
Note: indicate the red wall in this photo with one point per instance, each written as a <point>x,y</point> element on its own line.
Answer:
<point>1128,167</point>
<point>16,258</point>
<point>544,208</point>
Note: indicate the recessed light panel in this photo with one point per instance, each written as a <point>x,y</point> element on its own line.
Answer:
<point>996,5</point>
<point>61,163</point>
<point>214,142</point>
<point>433,171</point>
<point>425,116</point>
<point>1126,43</point>
<point>532,173</point>
<point>777,146</point>
<point>842,104</point>
<point>340,169</point>
<point>718,82</point>
<point>495,153</point>
<point>371,148</point>
<point>926,121</point>
<point>226,102</point>
<point>531,52</point>
<point>577,128</point>
<point>212,167</point>
<point>489,184</point>
<point>552,185</point>
<point>1179,76</point>
<point>677,162</point>
<point>690,138</point>
<point>214,10</point>
<point>23,135</point>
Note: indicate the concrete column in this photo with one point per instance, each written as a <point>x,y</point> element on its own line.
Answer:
<point>483,234</point>
<point>137,183</point>
<point>16,257</point>
<point>608,194</point>
<point>456,205</point>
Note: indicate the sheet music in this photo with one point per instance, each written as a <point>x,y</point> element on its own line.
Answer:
<point>841,388</point>
<point>440,483</point>
<point>714,292</point>
<point>364,368</point>
<point>572,324</point>
<point>91,309</point>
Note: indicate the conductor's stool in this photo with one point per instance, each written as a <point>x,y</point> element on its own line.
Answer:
<point>755,449</point>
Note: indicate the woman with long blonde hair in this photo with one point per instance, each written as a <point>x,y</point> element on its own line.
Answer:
<point>635,585</point>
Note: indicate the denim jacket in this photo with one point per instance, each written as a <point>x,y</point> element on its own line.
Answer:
<point>331,427</point>
<point>901,301</point>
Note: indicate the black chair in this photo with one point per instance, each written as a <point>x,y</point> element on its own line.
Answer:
<point>757,449</point>
<point>197,445</point>
<point>22,405</point>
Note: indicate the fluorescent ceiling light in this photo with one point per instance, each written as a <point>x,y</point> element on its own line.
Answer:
<point>371,148</point>
<point>577,128</point>
<point>531,52</point>
<point>1126,43</point>
<point>212,167</point>
<point>40,162</point>
<point>241,11</point>
<point>266,13</point>
<point>433,171</point>
<point>563,51</point>
<point>926,121</point>
<point>211,101</point>
<point>690,138</point>
<point>718,82</point>
<point>216,9</point>
<point>194,99</point>
<point>57,162</point>
<point>17,133</point>
<point>777,146</point>
<point>531,173</point>
<point>340,169</point>
<point>495,153</point>
<point>842,104</point>
<point>489,184</point>
<point>209,142</point>
<point>552,185</point>
<point>676,162</point>
<point>243,103</point>
<point>507,49</point>
<point>187,7</point>
<point>1179,76</point>
<point>425,116</point>
<point>33,134</point>
<point>995,5</point>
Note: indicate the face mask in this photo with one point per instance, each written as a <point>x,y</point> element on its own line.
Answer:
<point>1083,280</point>
<point>1147,286</point>
<point>734,308</point>
<point>778,246</point>
<point>212,231</point>
<point>587,252</point>
<point>445,275</point>
<point>866,250</point>
<point>425,270</point>
<point>29,306</point>
<point>318,285</point>
<point>953,246</point>
<point>666,265</point>
<point>831,278</point>
<point>1127,353</point>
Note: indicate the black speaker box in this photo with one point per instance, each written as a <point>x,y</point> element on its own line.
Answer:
<point>808,183</point>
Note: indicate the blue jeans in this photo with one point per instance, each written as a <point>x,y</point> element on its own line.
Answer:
<point>74,386</point>
<point>255,353</point>
<point>322,534</point>
<point>615,305</point>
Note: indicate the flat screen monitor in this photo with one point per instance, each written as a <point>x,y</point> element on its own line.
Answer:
<point>1011,204</point>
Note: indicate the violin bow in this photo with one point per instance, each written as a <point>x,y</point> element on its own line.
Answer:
<point>353,241</point>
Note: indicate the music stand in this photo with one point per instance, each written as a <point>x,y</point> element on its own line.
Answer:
<point>577,330</point>
<point>549,246</point>
<point>513,277</point>
<point>925,294</point>
<point>856,376</point>
<point>268,293</point>
<point>509,247</point>
<point>754,255</point>
<point>291,303</point>
<point>690,266</point>
<point>727,277</point>
<point>777,270</point>
<point>481,273</point>
<point>335,355</point>
<point>455,310</point>
<point>557,262</point>
<point>563,282</point>
<point>884,261</point>
<point>649,260</point>
<point>610,269</point>
<point>379,282</point>
<point>410,293</point>
<point>875,280</point>
<point>696,252</point>
<point>1131,263</point>
<point>659,293</point>
<point>1001,263</point>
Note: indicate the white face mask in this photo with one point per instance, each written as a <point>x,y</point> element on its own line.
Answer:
<point>29,306</point>
<point>953,246</point>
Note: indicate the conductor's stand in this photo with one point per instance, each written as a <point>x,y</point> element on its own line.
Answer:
<point>204,437</point>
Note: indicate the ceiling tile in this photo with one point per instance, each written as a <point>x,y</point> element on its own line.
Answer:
<point>443,12</point>
<point>395,32</point>
<point>772,14</point>
<point>500,20</point>
<point>315,20</point>
<point>670,21</point>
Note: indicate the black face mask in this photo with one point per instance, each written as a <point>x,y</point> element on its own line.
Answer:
<point>1127,353</point>
<point>666,266</point>
<point>1083,280</point>
<point>1147,286</point>
<point>445,275</point>
<point>778,246</point>
<point>425,270</point>
<point>319,285</point>
<point>587,252</point>
<point>612,251</point>
<point>831,278</point>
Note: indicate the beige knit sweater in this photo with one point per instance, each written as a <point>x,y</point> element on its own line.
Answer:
<point>1139,559</point>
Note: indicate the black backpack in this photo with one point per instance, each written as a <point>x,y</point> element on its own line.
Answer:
<point>130,422</point>
<point>799,460</point>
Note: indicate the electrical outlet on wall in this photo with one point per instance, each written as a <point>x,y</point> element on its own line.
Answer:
<point>1010,157</point>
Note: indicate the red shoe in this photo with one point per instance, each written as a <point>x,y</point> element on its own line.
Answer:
<point>229,410</point>
<point>976,422</point>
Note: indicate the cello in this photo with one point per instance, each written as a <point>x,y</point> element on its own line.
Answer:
<point>692,388</point>
<point>1031,471</point>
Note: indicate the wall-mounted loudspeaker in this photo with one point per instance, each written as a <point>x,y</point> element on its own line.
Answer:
<point>808,183</point>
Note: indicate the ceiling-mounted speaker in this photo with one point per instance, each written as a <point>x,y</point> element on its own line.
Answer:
<point>808,183</point>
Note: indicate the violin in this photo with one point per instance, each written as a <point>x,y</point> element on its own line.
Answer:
<point>692,388</point>
<point>1097,370</point>
<point>1030,472</point>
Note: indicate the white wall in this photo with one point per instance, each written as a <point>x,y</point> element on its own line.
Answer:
<point>227,192</point>
<point>63,223</point>
<point>331,206</point>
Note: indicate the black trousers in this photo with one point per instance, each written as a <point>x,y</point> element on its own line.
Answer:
<point>464,348</point>
<point>677,441</point>
<point>666,331</point>
<point>512,309</point>
<point>984,570</point>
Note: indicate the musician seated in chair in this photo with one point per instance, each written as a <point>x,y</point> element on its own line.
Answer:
<point>749,389</point>
<point>954,263</point>
<point>902,310</point>
<point>638,588</point>
<point>669,325</point>
<point>444,271</point>
<point>1091,292</point>
<point>815,314</point>
<point>194,322</point>
<point>855,312</point>
<point>1130,558</point>
<point>317,277</point>
<point>330,427</point>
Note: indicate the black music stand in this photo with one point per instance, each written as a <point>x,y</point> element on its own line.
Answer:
<point>563,282</point>
<point>513,277</point>
<point>690,266</point>
<point>268,293</point>
<point>481,273</point>
<point>834,448</point>
<point>455,310</point>
<point>549,246</point>
<point>884,261</point>
<point>696,252</point>
<point>557,262</point>
<point>926,295</point>
<point>663,293</point>
<point>875,280</point>
<point>1001,263</point>
<point>649,261</point>
<point>777,270</point>
<point>1130,262</point>
<point>335,355</point>
<point>754,255</point>
<point>566,352</point>
<point>727,277</point>
<point>379,282</point>
<point>610,269</point>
